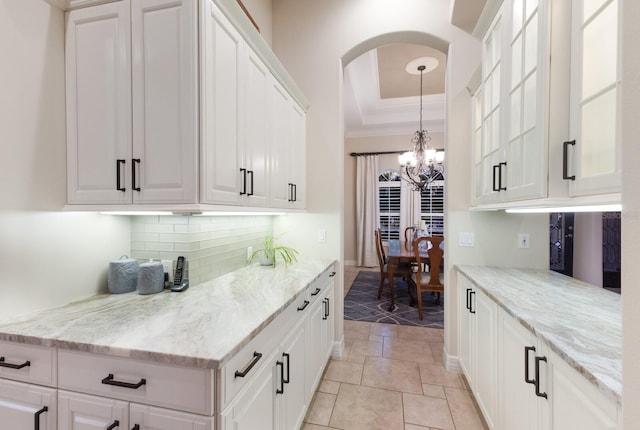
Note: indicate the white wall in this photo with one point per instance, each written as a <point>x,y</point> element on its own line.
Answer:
<point>47,257</point>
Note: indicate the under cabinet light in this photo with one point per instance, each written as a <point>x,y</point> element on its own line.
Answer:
<point>590,208</point>
<point>214,213</point>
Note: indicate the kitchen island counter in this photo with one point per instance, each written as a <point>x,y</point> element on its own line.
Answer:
<point>203,326</point>
<point>580,322</point>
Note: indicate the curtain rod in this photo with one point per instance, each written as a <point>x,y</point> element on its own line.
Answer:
<point>359,154</point>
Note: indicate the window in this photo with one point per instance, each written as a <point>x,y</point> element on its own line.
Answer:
<point>432,207</point>
<point>389,204</point>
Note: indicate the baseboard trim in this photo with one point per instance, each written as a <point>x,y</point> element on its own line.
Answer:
<point>349,262</point>
<point>451,362</point>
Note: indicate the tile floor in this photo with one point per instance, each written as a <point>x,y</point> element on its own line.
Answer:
<point>391,377</point>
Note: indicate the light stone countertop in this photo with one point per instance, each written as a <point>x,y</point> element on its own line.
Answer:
<point>580,322</point>
<point>203,326</point>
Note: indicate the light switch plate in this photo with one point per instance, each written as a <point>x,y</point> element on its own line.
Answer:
<point>322,235</point>
<point>466,238</point>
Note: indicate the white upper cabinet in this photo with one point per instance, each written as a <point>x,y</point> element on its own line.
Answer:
<point>170,106</point>
<point>131,103</point>
<point>510,108</point>
<point>98,86</point>
<point>593,153</point>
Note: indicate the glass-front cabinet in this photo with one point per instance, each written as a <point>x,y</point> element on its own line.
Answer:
<point>594,151</point>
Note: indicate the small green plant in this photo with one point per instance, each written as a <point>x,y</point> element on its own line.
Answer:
<point>269,252</point>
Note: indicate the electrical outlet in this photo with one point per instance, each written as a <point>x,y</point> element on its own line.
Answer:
<point>466,238</point>
<point>523,240</point>
<point>168,268</point>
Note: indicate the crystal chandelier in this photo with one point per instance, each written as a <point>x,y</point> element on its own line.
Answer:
<point>423,165</point>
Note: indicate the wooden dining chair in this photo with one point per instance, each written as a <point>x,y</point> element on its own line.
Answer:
<point>408,233</point>
<point>402,271</point>
<point>433,279</point>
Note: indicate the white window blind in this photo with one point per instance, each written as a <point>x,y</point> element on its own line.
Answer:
<point>389,204</point>
<point>432,208</point>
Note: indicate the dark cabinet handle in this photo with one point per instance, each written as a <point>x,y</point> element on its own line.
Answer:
<point>537,381</point>
<point>295,192</point>
<point>244,181</point>
<point>288,357</point>
<point>133,174</point>
<point>565,160</point>
<point>256,357</point>
<point>110,381</point>
<point>316,292</point>
<point>304,305</point>
<point>528,380</point>
<point>136,427</point>
<point>118,186</point>
<point>468,299</point>
<point>332,274</point>
<point>281,389</point>
<point>36,424</point>
<point>250,172</point>
<point>290,197</point>
<point>115,424</point>
<point>471,309</point>
<point>14,366</point>
<point>500,187</point>
<point>326,308</point>
<point>496,168</point>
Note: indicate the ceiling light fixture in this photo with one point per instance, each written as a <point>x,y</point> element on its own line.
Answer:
<point>423,165</point>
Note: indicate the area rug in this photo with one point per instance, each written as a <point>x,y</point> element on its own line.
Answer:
<point>362,304</point>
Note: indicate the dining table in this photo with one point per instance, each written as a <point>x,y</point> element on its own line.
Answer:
<point>401,251</point>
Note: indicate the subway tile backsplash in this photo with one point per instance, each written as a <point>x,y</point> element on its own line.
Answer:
<point>211,245</point>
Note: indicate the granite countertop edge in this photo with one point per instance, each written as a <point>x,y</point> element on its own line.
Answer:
<point>550,331</point>
<point>286,283</point>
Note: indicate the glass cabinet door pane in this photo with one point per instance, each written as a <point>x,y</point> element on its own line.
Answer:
<point>514,113</point>
<point>516,62</point>
<point>531,45</point>
<point>598,146</point>
<point>590,7</point>
<point>529,117</point>
<point>517,12</point>
<point>599,51</point>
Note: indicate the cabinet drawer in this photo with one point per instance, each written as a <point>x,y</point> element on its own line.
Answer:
<point>28,363</point>
<point>174,387</point>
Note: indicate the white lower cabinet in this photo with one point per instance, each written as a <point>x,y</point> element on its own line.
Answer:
<point>517,381</point>
<point>84,412</point>
<point>478,346</point>
<point>290,401</point>
<point>27,406</point>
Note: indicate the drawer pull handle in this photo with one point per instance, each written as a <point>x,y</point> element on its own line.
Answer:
<point>136,427</point>
<point>256,357</point>
<point>304,306</point>
<point>110,381</point>
<point>36,424</point>
<point>527,349</point>
<point>280,390</point>
<point>537,381</point>
<point>115,424</point>
<point>316,292</point>
<point>332,274</point>
<point>14,366</point>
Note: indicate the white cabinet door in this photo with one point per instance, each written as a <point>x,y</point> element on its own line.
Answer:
<point>255,130</point>
<point>222,45</point>
<point>572,402</point>
<point>314,347</point>
<point>328,323</point>
<point>298,158</point>
<point>254,406</point>
<point>290,378</point>
<point>486,376</point>
<point>143,417</point>
<point>23,405</point>
<point>164,39</point>
<point>98,93</point>
<point>281,190</point>
<point>595,159</point>
<point>527,96</point>
<point>83,412</point>
<point>466,328</point>
<point>517,401</point>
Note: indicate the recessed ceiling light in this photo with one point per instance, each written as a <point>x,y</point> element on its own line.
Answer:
<point>430,63</point>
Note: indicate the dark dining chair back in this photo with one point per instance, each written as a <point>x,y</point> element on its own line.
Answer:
<point>433,279</point>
